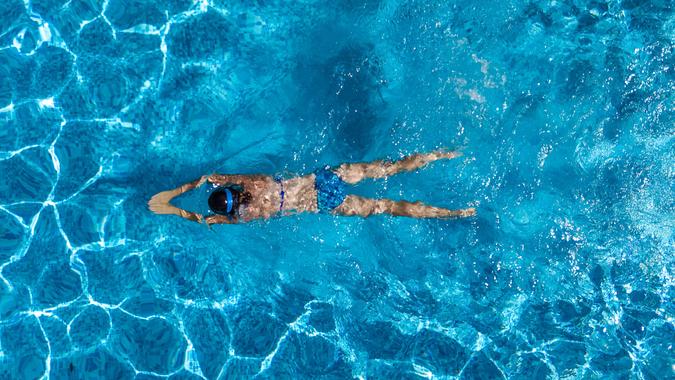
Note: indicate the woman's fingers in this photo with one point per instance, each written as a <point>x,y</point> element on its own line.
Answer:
<point>214,179</point>
<point>159,203</point>
<point>200,218</point>
<point>212,219</point>
<point>163,197</point>
<point>163,208</point>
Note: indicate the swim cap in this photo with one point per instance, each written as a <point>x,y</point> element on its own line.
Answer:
<point>223,200</point>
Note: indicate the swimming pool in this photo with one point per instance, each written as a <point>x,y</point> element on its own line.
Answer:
<point>564,110</point>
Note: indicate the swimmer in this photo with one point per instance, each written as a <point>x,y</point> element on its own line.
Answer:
<point>242,198</point>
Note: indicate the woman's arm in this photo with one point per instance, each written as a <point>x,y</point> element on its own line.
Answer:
<point>160,202</point>
<point>163,208</point>
<point>220,219</point>
<point>239,179</point>
<point>193,185</point>
<point>168,195</point>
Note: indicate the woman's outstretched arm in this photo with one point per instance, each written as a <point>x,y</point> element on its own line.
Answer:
<point>160,202</point>
<point>225,179</point>
<point>220,219</point>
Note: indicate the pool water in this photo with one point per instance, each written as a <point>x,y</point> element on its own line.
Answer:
<point>564,111</point>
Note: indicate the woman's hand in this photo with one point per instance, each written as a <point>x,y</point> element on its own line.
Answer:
<point>220,219</point>
<point>214,179</point>
<point>189,215</point>
<point>160,202</point>
<point>193,185</point>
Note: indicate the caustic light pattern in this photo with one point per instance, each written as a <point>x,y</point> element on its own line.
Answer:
<point>563,109</point>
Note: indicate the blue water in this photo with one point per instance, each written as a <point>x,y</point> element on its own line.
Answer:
<point>565,113</point>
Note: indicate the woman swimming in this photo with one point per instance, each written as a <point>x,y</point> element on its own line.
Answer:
<point>241,198</point>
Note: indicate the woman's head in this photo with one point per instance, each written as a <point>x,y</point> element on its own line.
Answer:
<point>224,201</point>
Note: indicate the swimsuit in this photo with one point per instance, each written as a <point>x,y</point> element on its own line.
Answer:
<point>278,179</point>
<point>330,190</point>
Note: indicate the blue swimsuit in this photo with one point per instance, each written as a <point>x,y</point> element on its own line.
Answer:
<point>330,190</point>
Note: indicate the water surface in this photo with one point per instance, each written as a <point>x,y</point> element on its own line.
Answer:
<point>564,110</point>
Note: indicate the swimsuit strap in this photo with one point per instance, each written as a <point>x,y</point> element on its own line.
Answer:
<point>277,179</point>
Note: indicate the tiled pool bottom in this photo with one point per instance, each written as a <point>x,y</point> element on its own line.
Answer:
<point>564,111</point>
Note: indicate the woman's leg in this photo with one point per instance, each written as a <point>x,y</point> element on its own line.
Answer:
<point>354,205</point>
<point>353,173</point>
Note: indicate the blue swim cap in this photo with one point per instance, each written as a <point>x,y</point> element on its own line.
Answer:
<point>223,200</point>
